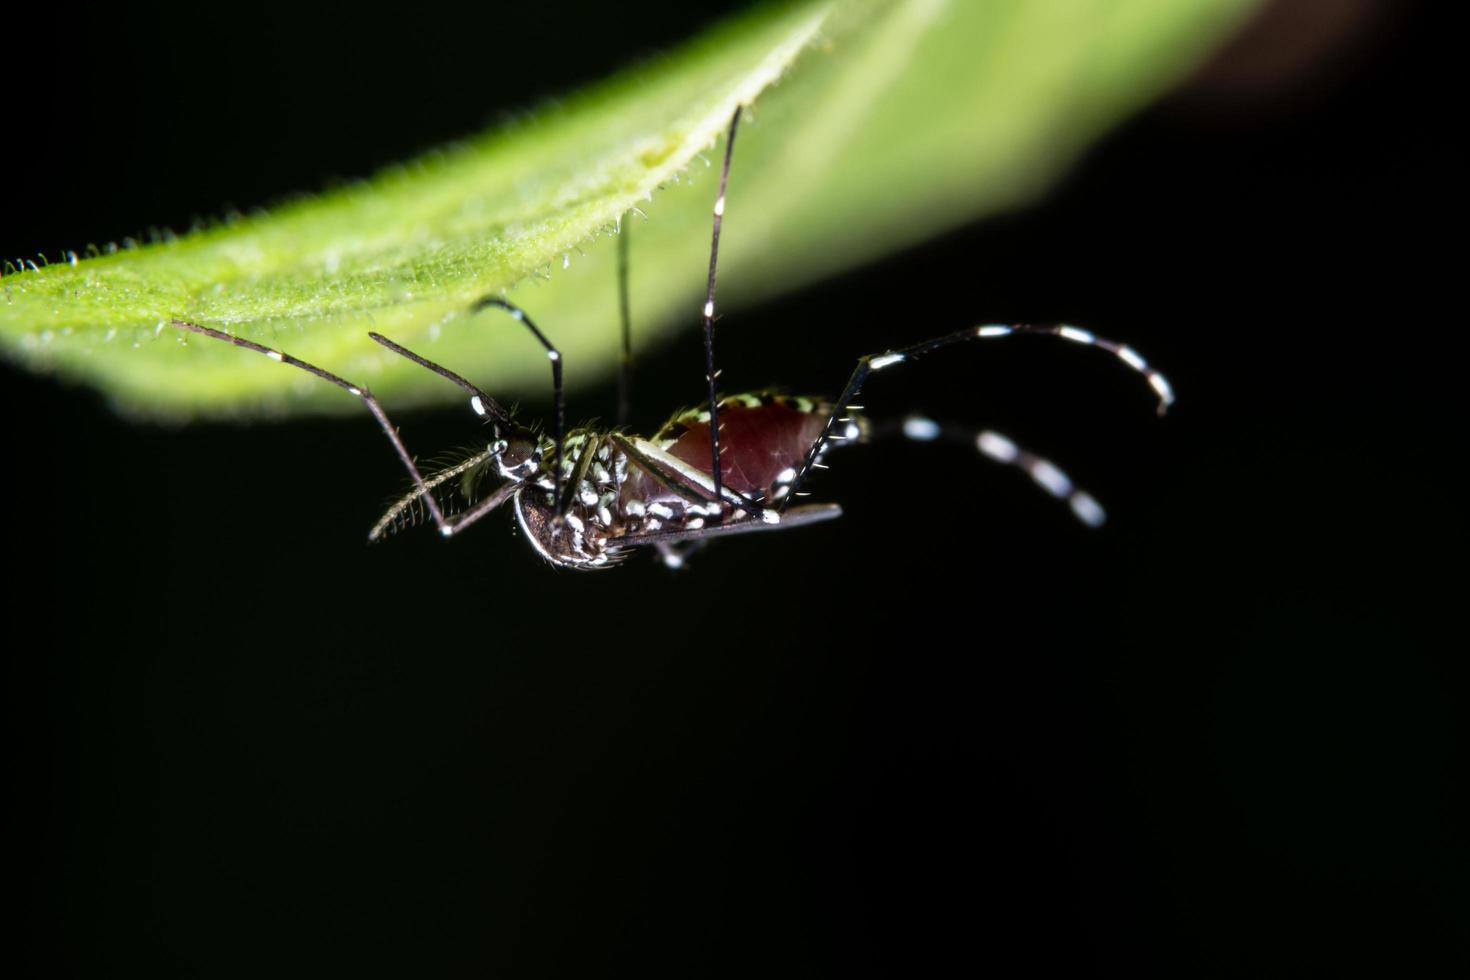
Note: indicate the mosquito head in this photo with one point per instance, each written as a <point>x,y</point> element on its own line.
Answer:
<point>518,454</point>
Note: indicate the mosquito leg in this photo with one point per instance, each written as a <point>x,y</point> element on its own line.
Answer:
<point>552,355</point>
<point>991,444</point>
<point>840,427</point>
<point>483,404</point>
<point>393,514</point>
<point>709,308</point>
<point>446,528</point>
<point>1087,338</point>
<point>796,517</point>
<point>677,555</point>
<point>579,474</point>
<point>625,370</point>
<point>500,496</point>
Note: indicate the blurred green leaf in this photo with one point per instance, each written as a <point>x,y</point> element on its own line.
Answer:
<point>874,124</point>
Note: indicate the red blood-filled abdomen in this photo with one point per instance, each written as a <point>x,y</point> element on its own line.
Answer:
<point>758,442</point>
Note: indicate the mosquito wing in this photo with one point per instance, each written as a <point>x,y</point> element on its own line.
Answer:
<point>795,517</point>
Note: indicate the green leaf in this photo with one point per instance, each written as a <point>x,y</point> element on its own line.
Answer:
<point>874,124</point>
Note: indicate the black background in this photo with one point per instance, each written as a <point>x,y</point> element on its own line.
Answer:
<point>1220,737</point>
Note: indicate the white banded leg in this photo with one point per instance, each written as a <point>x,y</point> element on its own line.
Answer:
<point>559,421</point>
<point>446,526</point>
<point>1078,335</point>
<point>710,374</point>
<point>838,422</point>
<point>991,444</point>
<point>393,516</point>
<point>480,403</point>
<point>675,555</point>
<point>625,366</point>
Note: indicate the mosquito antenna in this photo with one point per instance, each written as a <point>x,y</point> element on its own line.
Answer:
<point>839,424</point>
<point>392,514</point>
<point>1000,449</point>
<point>709,308</point>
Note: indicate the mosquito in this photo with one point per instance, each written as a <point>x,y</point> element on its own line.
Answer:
<point>588,497</point>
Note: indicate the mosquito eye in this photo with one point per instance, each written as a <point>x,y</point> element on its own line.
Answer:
<point>519,448</point>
